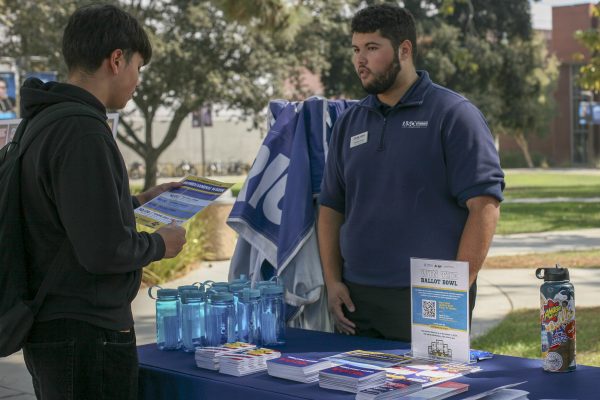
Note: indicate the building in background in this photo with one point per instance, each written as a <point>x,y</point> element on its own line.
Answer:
<point>574,138</point>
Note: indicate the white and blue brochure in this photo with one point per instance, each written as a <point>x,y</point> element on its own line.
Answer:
<point>440,309</point>
<point>180,204</point>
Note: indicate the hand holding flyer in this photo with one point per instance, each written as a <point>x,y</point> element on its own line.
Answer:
<point>180,204</point>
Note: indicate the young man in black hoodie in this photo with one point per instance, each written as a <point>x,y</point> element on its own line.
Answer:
<point>75,190</point>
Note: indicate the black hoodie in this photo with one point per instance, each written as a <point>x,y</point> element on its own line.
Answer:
<point>75,186</point>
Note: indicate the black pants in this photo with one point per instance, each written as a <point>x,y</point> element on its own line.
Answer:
<point>70,359</point>
<point>385,313</point>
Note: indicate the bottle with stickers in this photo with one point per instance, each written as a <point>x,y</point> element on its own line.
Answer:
<point>557,315</point>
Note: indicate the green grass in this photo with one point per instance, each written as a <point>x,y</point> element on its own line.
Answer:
<point>519,335</point>
<point>522,218</point>
<point>544,185</point>
<point>235,189</point>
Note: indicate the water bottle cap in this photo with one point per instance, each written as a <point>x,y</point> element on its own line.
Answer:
<point>167,293</point>
<point>219,289</point>
<point>261,284</point>
<point>187,287</point>
<point>237,287</point>
<point>219,284</point>
<point>249,294</point>
<point>221,296</point>
<point>241,279</point>
<point>191,294</point>
<point>272,289</point>
<point>557,273</point>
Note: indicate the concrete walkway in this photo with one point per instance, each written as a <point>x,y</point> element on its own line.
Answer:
<point>545,242</point>
<point>499,292</point>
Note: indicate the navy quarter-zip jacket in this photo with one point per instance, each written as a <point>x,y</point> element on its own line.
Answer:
<point>401,177</point>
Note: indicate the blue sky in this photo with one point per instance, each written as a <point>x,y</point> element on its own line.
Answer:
<point>541,11</point>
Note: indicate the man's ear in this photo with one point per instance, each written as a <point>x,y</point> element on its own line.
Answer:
<point>405,51</point>
<point>116,60</point>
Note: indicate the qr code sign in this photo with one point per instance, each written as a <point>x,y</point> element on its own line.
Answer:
<point>428,308</point>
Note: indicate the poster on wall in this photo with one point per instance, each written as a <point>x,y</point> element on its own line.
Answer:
<point>589,112</point>
<point>8,95</point>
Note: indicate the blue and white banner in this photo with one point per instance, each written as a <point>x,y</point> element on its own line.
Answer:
<point>274,211</point>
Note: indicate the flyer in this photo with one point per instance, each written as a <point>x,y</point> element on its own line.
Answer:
<point>440,309</point>
<point>180,204</point>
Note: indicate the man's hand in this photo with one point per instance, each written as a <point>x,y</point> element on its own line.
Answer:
<point>174,238</point>
<point>151,193</point>
<point>338,296</point>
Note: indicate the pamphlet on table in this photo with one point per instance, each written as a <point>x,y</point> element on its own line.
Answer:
<point>296,368</point>
<point>440,309</point>
<point>429,372</point>
<point>369,358</point>
<point>350,378</point>
<point>180,204</point>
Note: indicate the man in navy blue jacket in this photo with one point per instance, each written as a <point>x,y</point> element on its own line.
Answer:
<point>412,171</point>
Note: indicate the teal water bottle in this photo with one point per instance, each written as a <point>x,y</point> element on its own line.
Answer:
<point>193,319</point>
<point>248,316</point>
<point>220,319</point>
<point>167,318</point>
<point>272,321</point>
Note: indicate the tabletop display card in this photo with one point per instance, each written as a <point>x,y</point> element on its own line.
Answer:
<point>350,378</point>
<point>391,389</point>
<point>299,369</point>
<point>440,309</point>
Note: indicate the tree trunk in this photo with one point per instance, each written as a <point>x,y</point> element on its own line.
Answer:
<point>524,146</point>
<point>151,160</point>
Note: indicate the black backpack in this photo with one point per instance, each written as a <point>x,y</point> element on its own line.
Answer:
<point>17,309</point>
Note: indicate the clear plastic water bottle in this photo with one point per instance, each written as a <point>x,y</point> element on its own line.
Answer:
<point>167,318</point>
<point>248,316</point>
<point>193,319</point>
<point>180,289</point>
<point>220,318</point>
<point>272,322</point>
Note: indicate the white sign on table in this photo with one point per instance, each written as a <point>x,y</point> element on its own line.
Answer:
<point>440,309</point>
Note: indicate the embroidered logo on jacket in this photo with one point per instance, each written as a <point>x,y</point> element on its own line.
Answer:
<point>415,124</point>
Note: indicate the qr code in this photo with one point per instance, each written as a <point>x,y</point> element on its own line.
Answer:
<point>428,308</point>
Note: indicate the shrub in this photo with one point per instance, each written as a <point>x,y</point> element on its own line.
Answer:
<point>171,268</point>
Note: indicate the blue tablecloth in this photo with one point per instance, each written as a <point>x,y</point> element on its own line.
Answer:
<point>174,375</point>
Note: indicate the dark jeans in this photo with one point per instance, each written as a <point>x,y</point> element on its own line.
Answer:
<point>385,313</point>
<point>70,359</point>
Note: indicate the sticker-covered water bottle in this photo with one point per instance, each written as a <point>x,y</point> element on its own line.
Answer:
<point>557,315</point>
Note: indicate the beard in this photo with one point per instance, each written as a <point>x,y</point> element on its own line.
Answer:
<point>384,80</point>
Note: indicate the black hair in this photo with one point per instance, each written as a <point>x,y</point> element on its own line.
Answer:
<point>95,31</point>
<point>4,80</point>
<point>392,22</point>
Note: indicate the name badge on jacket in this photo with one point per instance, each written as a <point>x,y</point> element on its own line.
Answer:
<point>359,139</point>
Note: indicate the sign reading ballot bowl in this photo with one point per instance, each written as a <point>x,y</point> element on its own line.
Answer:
<point>440,309</point>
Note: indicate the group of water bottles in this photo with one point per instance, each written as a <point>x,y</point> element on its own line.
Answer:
<point>213,313</point>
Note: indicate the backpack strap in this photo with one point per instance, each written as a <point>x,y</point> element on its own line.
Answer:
<point>22,140</point>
